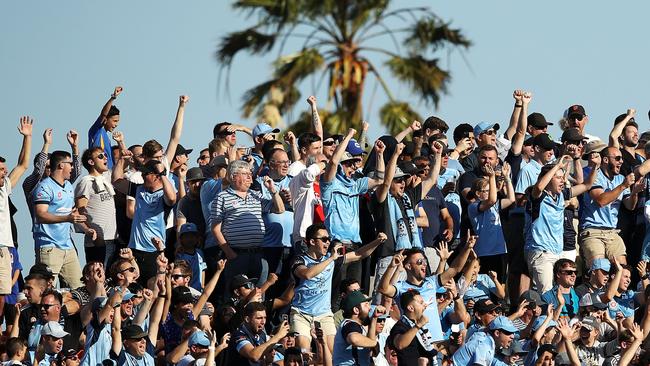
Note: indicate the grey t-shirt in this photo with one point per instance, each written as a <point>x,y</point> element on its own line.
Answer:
<point>100,208</point>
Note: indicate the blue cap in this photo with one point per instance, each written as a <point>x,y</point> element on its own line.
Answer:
<point>602,264</point>
<point>484,126</point>
<point>354,148</point>
<point>198,338</point>
<point>188,227</point>
<point>126,297</point>
<point>502,323</point>
<point>441,290</point>
<point>263,129</point>
<point>538,323</point>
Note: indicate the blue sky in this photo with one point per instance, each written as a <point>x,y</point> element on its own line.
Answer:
<point>61,60</point>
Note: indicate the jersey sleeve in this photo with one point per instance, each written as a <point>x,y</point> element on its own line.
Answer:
<point>42,194</point>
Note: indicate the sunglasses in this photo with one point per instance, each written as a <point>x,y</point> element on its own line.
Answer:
<point>226,133</point>
<point>324,239</point>
<point>130,269</point>
<point>616,158</point>
<point>178,276</point>
<point>329,143</point>
<point>489,132</point>
<point>47,307</point>
<point>569,272</point>
<point>399,180</point>
<point>248,285</point>
<point>420,261</point>
<point>204,157</point>
<point>576,117</point>
<point>100,156</point>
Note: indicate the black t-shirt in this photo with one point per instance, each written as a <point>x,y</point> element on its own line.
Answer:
<point>71,324</point>
<point>432,203</point>
<point>349,328</point>
<point>410,354</point>
<point>383,221</point>
<point>465,181</point>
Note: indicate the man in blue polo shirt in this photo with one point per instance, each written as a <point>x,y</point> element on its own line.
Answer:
<point>107,121</point>
<point>599,237</point>
<point>545,220</point>
<point>54,214</point>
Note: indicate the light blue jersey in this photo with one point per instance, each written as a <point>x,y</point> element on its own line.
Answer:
<point>60,201</point>
<point>478,350</point>
<point>480,289</point>
<point>487,225</point>
<point>625,304</point>
<point>278,226</point>
<point>313,296</point>
<point>544,225</point>
<point>428,291</point>
<point>341,202</point>
<point>98,344</point>
<point>527,177</point>
<point>595,216</point>
<point>148,220</point>
<point>197,265</point>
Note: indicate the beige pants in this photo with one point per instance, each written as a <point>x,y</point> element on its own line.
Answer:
<point>598,243</point>
<point>5,271</point>
<point>63,263</point>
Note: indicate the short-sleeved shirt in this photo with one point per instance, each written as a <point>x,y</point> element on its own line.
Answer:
<point>480,289</point>
<point>427,290</point>
<point>127,359</point>
<point>527,176</point>
<point>240,338</point>
<point>6,239</point>
<point>410,354</point>
<point>594,216</point>
<point>341,202</point>
<point>432,203</point>
<point>544,225</point>
<point>478,350</point>
<point>149,219</point>
<point>279,227</point>
<point>189,208</point>
<point>241,218</point>
<point>313,296</point>
<point>305,194</point>
<point>60,201</point>
<point>625,303</point>
<point>209,191</point>
<point>346,354</point>
<point>487,225</point>
<point>571,302</point>
<point>101,215</point>
<point>197,265</point>
<point>98,137</point>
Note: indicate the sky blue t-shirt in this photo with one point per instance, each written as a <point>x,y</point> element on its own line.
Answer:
<point>624,303</point>
<point>98,137</point>
<point>450,175</point>
<point>209,191</point>
<point>428,292</point>
<point>313,296</point>
<point>98,344</point>
<point>487,225</point>
<point>148,219</point>
<point>60,201</point>
<point>480,289</point>
<point>544,225</point>
<point>197,265</point>
<point>571,301</point>
<point>527,177</point>
<point>478,350</point>
<point>607,216</point>
<point>278,226</point>
<point>341,203</point>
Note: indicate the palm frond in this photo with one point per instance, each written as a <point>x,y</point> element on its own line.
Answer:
<point>254,96</point>
<point>294,68</point>
<point>249,39</point>
<point>396,116</point>
<point>432,33</point>
<point>424,76</point>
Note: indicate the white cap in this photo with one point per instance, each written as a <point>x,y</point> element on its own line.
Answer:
<point>54,329</point>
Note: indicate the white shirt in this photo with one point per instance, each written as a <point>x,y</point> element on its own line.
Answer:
<point>6,240</point>
<point>303,196</point>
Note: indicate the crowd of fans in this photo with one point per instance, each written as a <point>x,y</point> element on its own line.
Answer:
<point>510,248</point>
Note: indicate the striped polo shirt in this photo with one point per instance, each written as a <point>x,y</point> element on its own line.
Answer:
<point>241,218</point>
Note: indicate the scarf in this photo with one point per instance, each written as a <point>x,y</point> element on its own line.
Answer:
<point>403,224</point>
<point>423,335</point>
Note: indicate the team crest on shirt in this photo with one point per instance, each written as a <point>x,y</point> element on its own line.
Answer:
<point>429,285</point>
<point>59,195</point>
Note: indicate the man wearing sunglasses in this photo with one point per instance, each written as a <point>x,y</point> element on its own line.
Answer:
<point>94,198</point>
<point>562,295</point>
<point>480,349</point>
<point>226,135</point>
<point>486,135</point>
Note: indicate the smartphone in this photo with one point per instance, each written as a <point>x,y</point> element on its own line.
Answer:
<point>341,250</point>
<point>317,324</point>
<point>284,318</point>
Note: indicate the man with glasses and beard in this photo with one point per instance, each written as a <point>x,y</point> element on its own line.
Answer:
<point>598,235</point>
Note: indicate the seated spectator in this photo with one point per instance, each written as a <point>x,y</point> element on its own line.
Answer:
<point>481,347</point>
<point>251,343</point>
<point>475,286</point>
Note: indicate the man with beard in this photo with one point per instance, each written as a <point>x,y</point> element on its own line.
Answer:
<point>354,342</point>
<point>598,236</point>
<point>250,342</point>
<point>479,350</point>
<point>189,207</point>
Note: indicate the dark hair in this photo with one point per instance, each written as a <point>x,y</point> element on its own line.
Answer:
<point>485,148</point>
<point>150,148</point>
<point>435,123</point>
<point>86,270</point>
<point>435,137</point>
<point>253,307</point>
<point>407,298</point>
<point>293,354</point>
<point>133,147</point>
<point>311,231</point>
<point>191,323</point>
<point>14,345</point>
<point>419,161</point>
<point>135,287</point>
<point>462,131</point>
<point>184,267</point>
<point>57,157</point>
<point>614,270</point>
<point>306,139</point>
<point>217,128</point>
<point>625,336</point>
<point>213,146</point>
<point>115,267</point>
<point>57,295</point>
<point>557,266</point>
<point>37,277</point>
<point>269,149</point>
<point>88,155</point>
<point>346,283</point>
<point>408,253</point>
<point>113,112</point>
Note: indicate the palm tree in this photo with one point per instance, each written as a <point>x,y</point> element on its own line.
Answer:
<point>338,37</point>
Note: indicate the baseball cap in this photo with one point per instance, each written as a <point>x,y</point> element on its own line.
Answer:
<point>198,338</point>
<point>502,323</point>
<point>240,280</point>
<point>546,347</point>
<point>529,140</point>
<point>188,227</point>
<point>538,120</point>
<point>354,148</point>
<point>347,156</point>
<point>53,329</point>
<point>399,173</point>
<point>69,353</point>
<point>540,320</point>
<point>182,295</point>
<point>589,322</point>
<point>193,174</point>
<point>263,129</point>
<point>621,117</point>
<point>572,134</point>
<point>544,141</point>
<point>595,146</point>
<point>576,110</point>
<point>484,126</point>
<point>133,332</point>
<point>485,306</point>
<point>180,150</point>
<point>592,299</point>
<point>409,167</point>
<point>353,299</point>
<point>532,296</point>
<point>602,264</point>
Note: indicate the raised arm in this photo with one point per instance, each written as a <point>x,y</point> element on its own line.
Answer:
<point>209,288</point>
<point>278,204</point>
<point>618,128</point>
<point>586,186</point>
<point>177,128</point>
<point>292,141</point>
<point>307,273</point>
<point>25,129</point>
<point>520,134</point>
<point>365,250</point>
<point>516,114</point>
<point>330,171</point>
<point>612,285</point>
<point>510,190</point>
<point>255,354</point>
<point>316,124</point>
<point>604,198</point>
<point>380,168</point>
<point>541,184</point>
<point>492,195</point>
<point>363,138</point>
<point>459,262</point>
<point>432,179</point>
<point>156,316</point>
<point>382,190</point>
<point>415,126</point>
<point>116,328</point>
<point>109,103</point>
<point>385,286</point>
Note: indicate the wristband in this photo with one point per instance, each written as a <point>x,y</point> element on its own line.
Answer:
<point>519,105</point>
<point>211,348</point>
<point>162,295</point>
<point>644,277</point>
<point>113,96</point>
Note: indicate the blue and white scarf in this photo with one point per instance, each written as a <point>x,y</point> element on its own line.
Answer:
<point>401,225</point>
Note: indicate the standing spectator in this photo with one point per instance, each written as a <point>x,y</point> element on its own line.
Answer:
<point>94,198</point>
<point>410,336</point>
<point>250,343</point>
<point>55,212</point>
<point>486,135</point>
<point>226,135</point>
<point>262,132</point>
<point>189,239</point>
<point>189,208</point>
<point>108,119</point>
<point>237,224</point>
<point>8,181</point>
<point>151,203</point>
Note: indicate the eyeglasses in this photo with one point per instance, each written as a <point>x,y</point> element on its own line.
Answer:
<point>130,269</point>
<point>616,158</point>
<point>178,276</point>
<point>420,261</point>
<point>399,180</point>
<point>281,162</point>
<point>245,174</point>
<point>324,239</point>
<point>329,143</point>
<point>47,307</point>
<point>136,297</point>
<point>488,132</point>
<point>100,156</point>
<point>576,117</point>
<point>569,272</point>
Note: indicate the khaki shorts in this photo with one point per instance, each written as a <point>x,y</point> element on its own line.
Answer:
<point>5,271</point>
<point>302,323</point>
<point>63,263</point>
<point>599,243</point>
